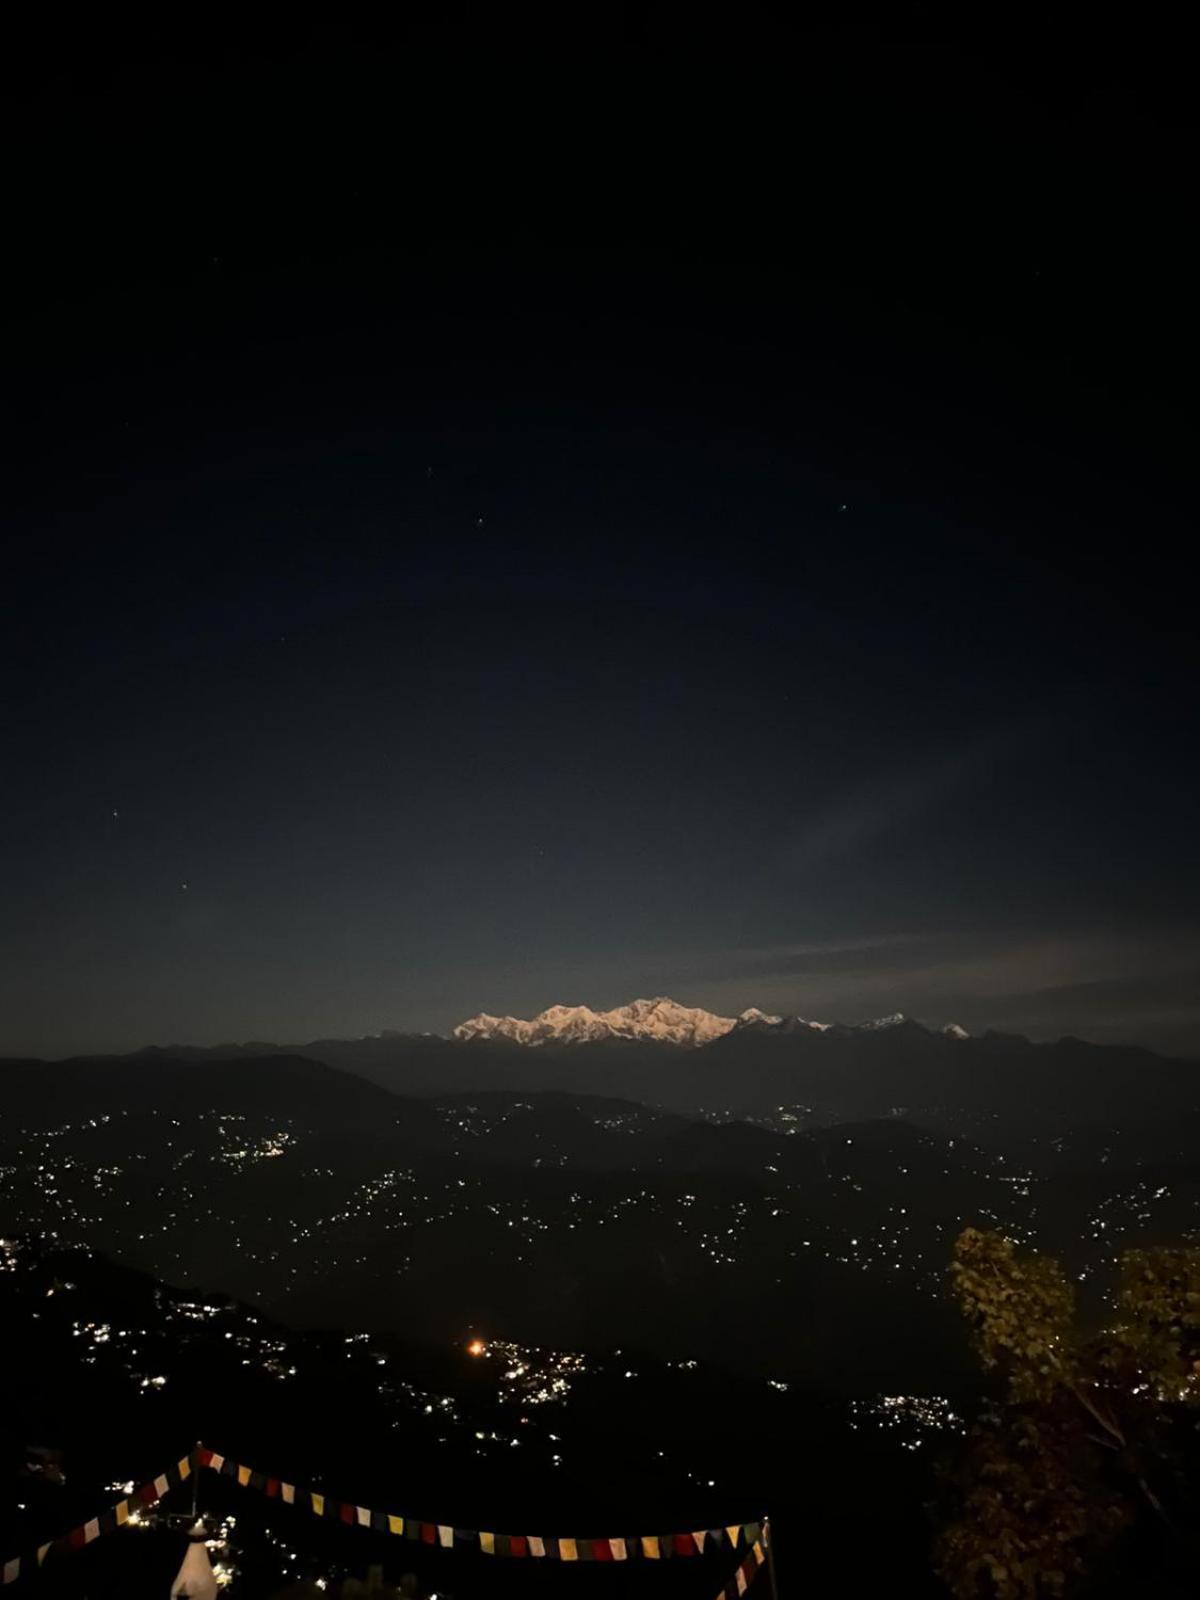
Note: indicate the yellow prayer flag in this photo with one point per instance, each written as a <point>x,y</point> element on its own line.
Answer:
<point>567,1550</point>
<point>735,1533</point>
<point>487,1543</point>
<point>395,1524</point>
<point>244,1476</point>
<point>650,1546</point>
<point>318,1501</point>
<point>185,1467</point>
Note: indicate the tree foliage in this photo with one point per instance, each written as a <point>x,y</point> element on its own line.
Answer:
<point>1081,1445</point>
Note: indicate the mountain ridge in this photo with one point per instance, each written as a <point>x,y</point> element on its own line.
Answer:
<point>659,1020</point>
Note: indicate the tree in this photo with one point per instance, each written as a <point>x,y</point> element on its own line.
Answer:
<point>1084,1444</point>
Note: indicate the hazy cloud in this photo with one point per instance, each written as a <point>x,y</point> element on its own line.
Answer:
<point>870,810</point>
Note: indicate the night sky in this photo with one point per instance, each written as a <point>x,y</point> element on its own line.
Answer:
<point>500,517</point>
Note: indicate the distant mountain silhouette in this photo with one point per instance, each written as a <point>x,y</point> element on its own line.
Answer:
<point>41,1093</point>
<point>998,1088</point>
<point>835,1072</point>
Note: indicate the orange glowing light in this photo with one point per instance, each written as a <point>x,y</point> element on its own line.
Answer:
<point>476,1348</point>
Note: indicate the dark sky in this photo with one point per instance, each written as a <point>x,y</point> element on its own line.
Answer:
<point>501,516</point>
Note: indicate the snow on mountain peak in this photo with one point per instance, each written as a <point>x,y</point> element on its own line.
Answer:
<point>660,1019</point>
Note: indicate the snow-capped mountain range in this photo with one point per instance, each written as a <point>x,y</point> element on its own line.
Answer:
<point>660,1020</point>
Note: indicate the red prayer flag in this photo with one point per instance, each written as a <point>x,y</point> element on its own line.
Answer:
<point>348,1514</point>
<point>685,1545</point>
<point>272,1486</point>
<point>601,1550</point>
<point>75,1539</point>
<point>204,1458</point>
<point>148,1493</point>
<point>518,1545</point>
<point>429,1533</point>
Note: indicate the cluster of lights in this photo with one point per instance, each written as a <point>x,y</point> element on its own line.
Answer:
<point>219,1545</point>
<point>194,1311</point>
<point>267,1148</point>
<point>718,1231</point>
<point>527,1376</point>
<point>914,1416</point>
